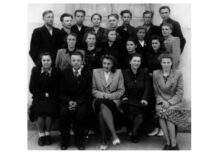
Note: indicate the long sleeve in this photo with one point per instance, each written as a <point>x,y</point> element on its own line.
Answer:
<point>96,93</point>
<point>176,51</point>
<point>158,97</point>
<point>58,60</point>
<point>34,46</point>
<point>178,33</point>
<point>147,91</point>
<point>179,91</point>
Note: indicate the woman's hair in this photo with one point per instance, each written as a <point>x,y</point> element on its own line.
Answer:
<point>161,40</point>
<point>135,55</point>
<point>166,55</point>
<point>113,60</point>
<point>86,35</point>
<point>169,25</point>
<point>132,39</point>
<point>107,34</point>
<point>96,14</point>
<point>44,53</point>
<point>65,39</point>
<point>114,15</point>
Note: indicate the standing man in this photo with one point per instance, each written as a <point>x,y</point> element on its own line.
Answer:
<point>151,29</point>
<point>176,32</point>
<point>67,22</point>
<point>79,28</point>
<point>75,96</point>
<point>45,39</point>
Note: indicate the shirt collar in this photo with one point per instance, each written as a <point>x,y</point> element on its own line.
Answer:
<point>79,71</point>
<point>48,71</point>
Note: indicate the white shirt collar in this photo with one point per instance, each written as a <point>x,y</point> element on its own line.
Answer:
<point>79,71</point>
<point>43,70</point>
<point>142,42</point>
<point>106,75</point>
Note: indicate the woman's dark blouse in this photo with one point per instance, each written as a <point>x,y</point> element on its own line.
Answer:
<point>40,83</point>
<point>137,86</point>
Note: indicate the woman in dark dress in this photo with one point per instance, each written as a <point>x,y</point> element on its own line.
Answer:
<point>43,86</point>
<point>137,92</point>
<point>113,46</point>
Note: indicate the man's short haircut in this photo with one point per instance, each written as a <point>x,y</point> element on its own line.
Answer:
<point>96,14</point>
<point>46,12</point>
<point>114,15</point>
<point>126,11</point>
<point>78,53</point>
<point>134,40</point>
<point>165,7</point>
<point>169,25</point>
<point>65,15</point>
<point>141,28</point>
<point>83,11</point>
<point>148,12</point>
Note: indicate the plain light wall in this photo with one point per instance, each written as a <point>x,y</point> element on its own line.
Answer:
<point>179,12</point>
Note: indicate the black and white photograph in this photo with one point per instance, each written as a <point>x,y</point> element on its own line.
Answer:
<point>109,76</point>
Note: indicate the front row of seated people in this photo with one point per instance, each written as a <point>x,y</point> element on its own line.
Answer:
<point>114,96</point>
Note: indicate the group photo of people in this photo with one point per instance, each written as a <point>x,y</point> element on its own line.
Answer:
<point>97,78</point>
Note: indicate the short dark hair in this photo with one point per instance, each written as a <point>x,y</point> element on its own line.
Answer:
<point>78,53</point>
<point>106,34</point>
<point>44,53</point>
<point>83,11</point>
<point>148,12</point>
<point>161,40</point>
<point>134,40</point>
<point>126,11</point>
<point>135,55</point>
<point>114,15</point>
<point>86,35</point>
<point>166,55</point>
<point>65,15</point>
<point>141,28</point>
<point>112,58</point>
<point>70,34</point>
<point>164,7</point>
<point>96,14</point>
<point>169,25</point>
<point>46,12</point>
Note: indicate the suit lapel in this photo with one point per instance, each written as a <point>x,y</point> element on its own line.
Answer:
<point>110,79</point>
<point>102,76</point>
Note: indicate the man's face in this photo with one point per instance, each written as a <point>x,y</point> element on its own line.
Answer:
<point>126,18</point>
<point>49,19</point>
<point>113,22</point>
<point>141,34</point>
<point>71,40</point>
<point>147,18</point>
<point>80,17</point>
<point>164,13</point>
<point>67,22</point>
<point>76,61</point>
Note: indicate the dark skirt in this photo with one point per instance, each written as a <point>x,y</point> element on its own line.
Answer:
<point>117,115</point>
<point>43,108</point>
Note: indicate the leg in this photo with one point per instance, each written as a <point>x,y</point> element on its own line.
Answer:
<point>165,130</point>
<point>137,122</point>
<point>102,128</point>
<point>48,122</point>
<point>108,118</point>
<point>41,128</point>
<point>172,134</point>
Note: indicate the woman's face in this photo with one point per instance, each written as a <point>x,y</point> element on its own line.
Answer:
<point>71,41</point>
<point>113,22</point>
<point>135,62</point>
<point>131,47</point>
<point>107,65</point>
<point>46,61</point>
<point>166,31</point>
<point>96,21</point>
<point>112,36</point>
<point>166,63</point>
<point>155,45</point>
<point>91,40</point>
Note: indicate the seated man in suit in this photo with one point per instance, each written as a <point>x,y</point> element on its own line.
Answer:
<point>75,96</point>
<point>177,32</point>
<point>79,28</point>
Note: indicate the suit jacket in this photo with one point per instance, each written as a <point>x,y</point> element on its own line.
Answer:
<point>177,32</point>
<point>100,35</point>
<point>153,30</point>
<point>42,41</point>
<point>171,90</point>
<point>73,88</point>
<point>131,31</point>
<point>80,35</point>
<point>114,88</point>
<point>172,45</point>
<point>142,50</point>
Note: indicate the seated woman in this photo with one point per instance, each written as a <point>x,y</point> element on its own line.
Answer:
<point>113,46</point>
<point>96,19</point>
<point>63,59</point>
<point>137,92</point>
<point>108,88</point>
<point>43,86</point>
<point>168,89</point>
<point>92,53</point>
<point>172,44</point>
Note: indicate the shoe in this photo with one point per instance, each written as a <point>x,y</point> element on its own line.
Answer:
<point>134,139</point>
<point>82,147</point>
<point>116,141</point>
<point>64,143</point>
<point>104,147</point>
<point>174,147</point>
<point>41,141</point>
<point>167,147</point>
<point>48,140</point>
<point>160,133</point>
<point>154,132</point>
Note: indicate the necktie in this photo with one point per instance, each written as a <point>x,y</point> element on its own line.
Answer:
<point>76,73</point>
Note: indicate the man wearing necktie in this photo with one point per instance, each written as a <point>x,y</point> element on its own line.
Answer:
<point>75,95</point>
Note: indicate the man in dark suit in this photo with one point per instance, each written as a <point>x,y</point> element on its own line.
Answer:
<point>46,38</point>
<point>151,29</point>
<point>67,22</point>
<point>79,28</point>
<point>75,95</point>
<point>176,32</point>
